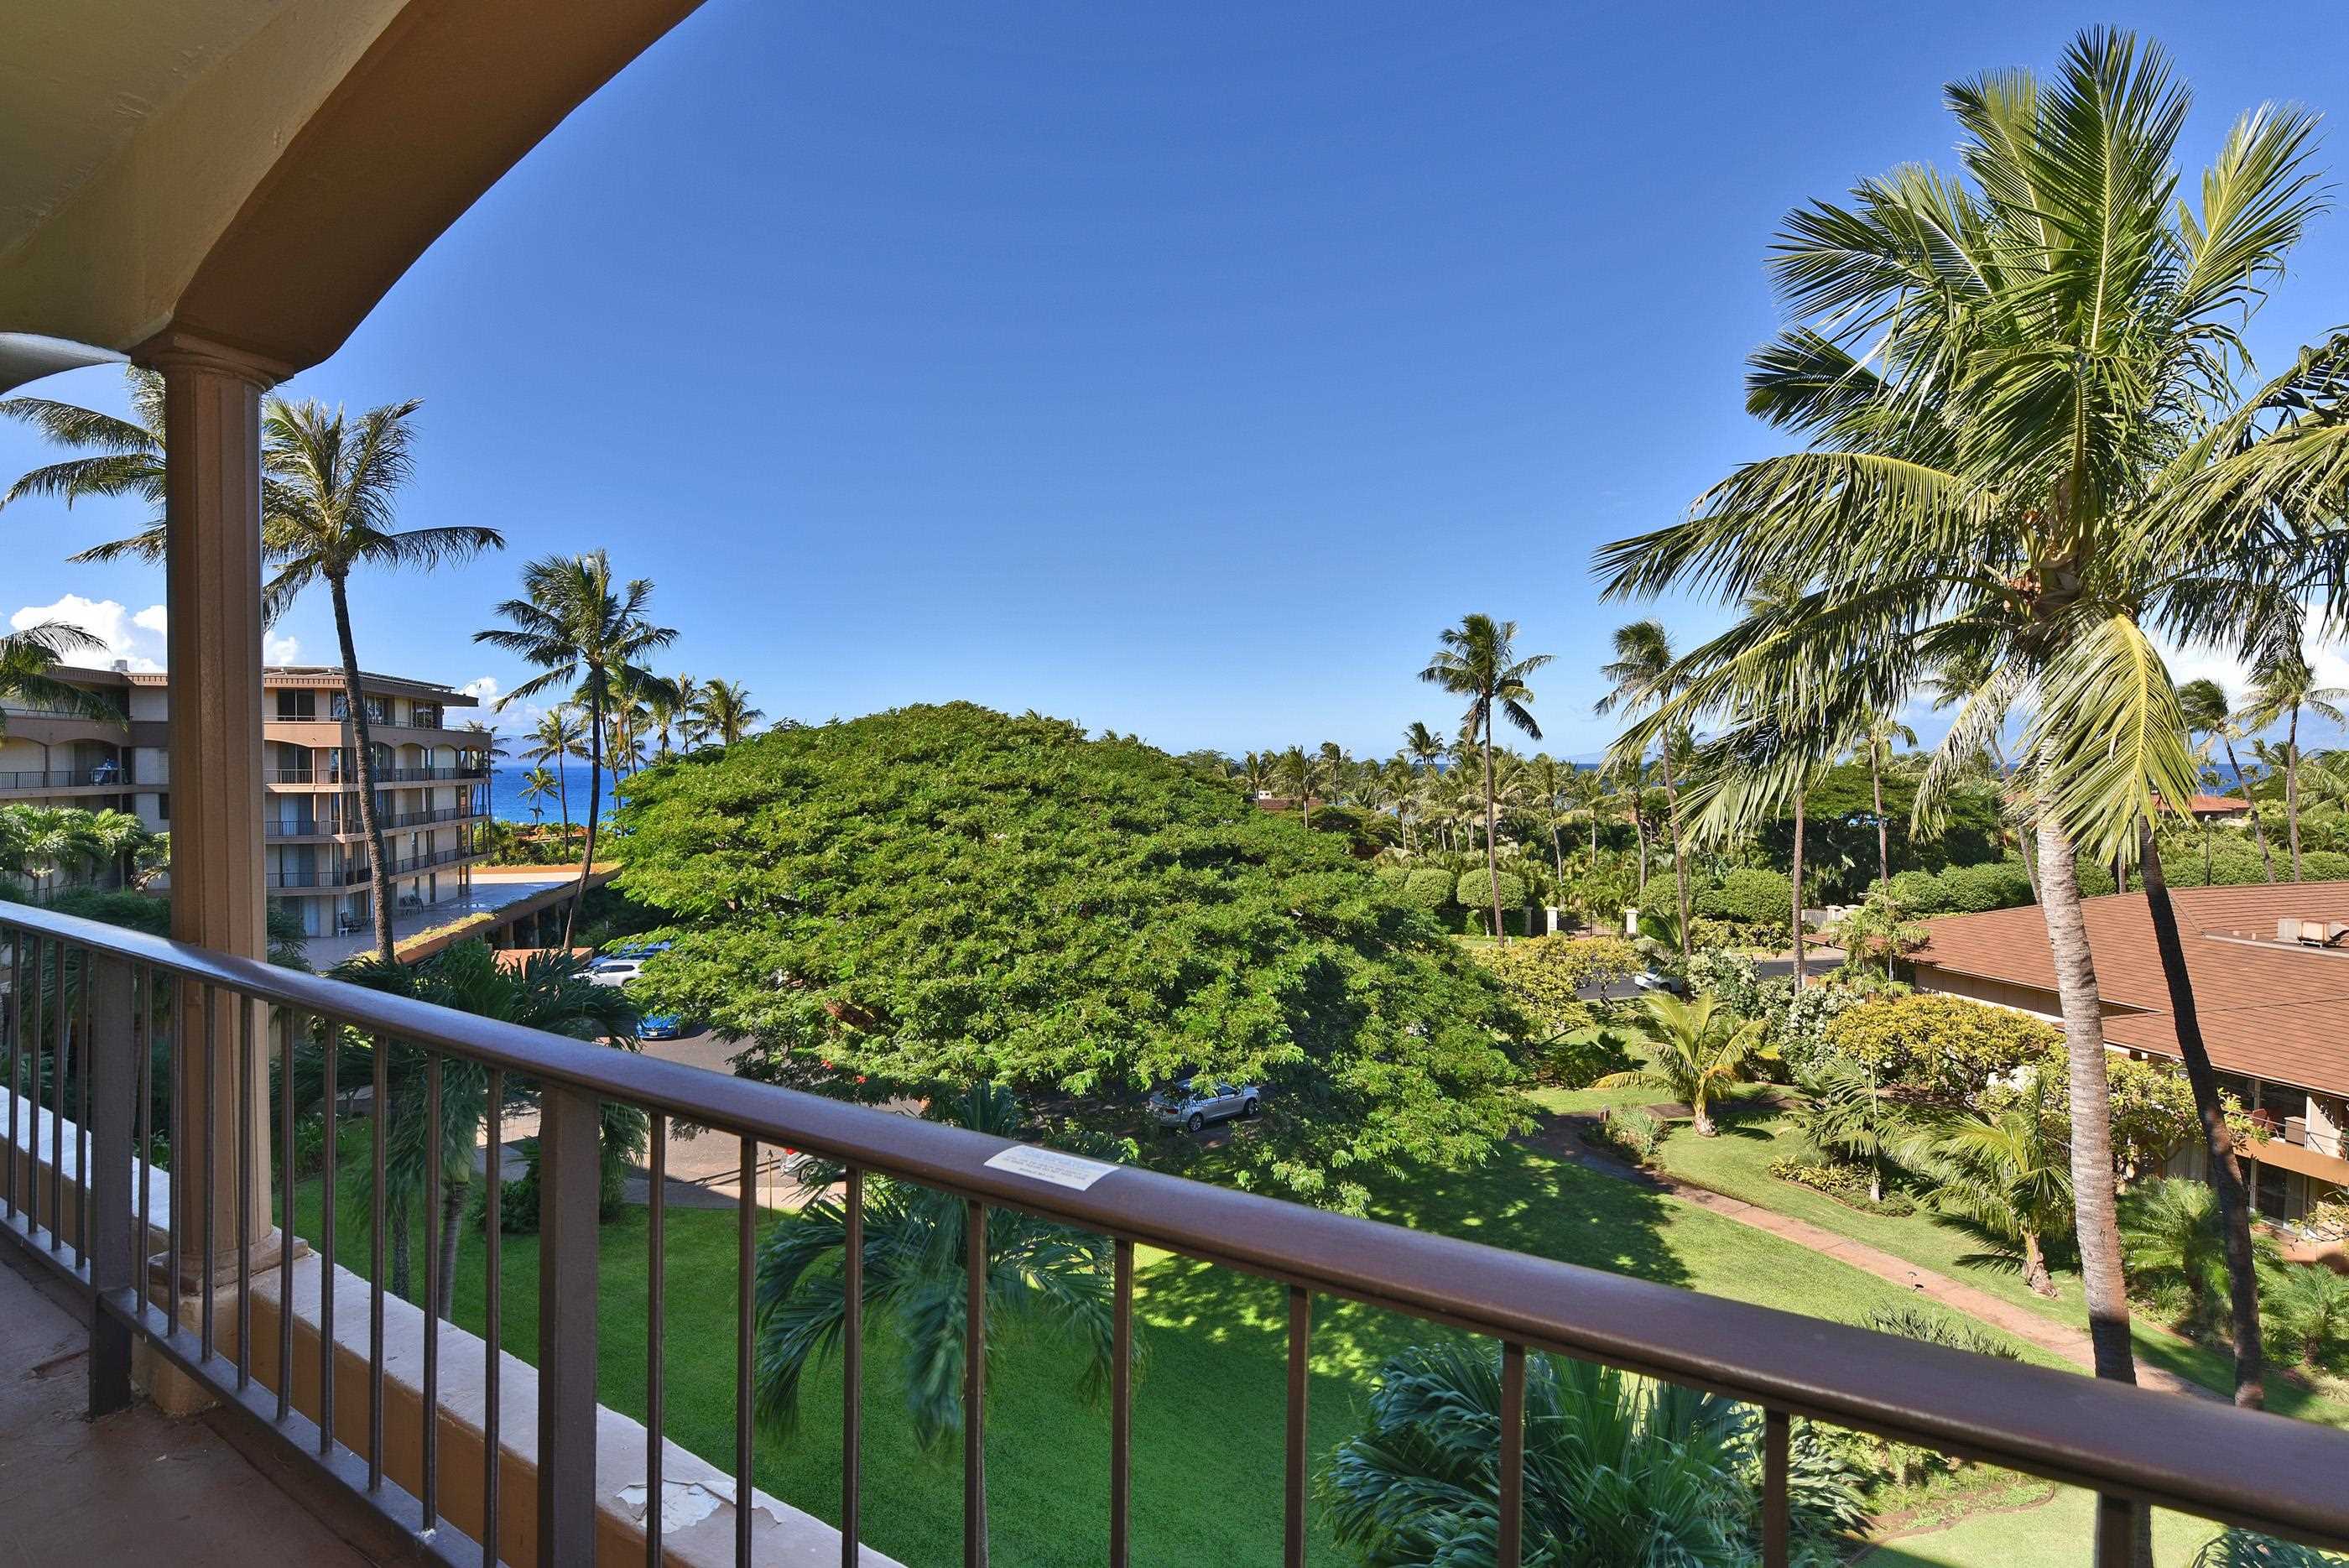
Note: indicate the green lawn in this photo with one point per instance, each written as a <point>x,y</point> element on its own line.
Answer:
<point>1209,1408</point>
<point>1737,1163</point>
<point>2054,1534</point>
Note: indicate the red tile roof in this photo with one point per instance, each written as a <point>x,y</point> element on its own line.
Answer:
<point>2268,1009</point>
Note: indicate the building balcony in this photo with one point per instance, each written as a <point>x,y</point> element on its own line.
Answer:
<point>349,827</point>
<point>385,1407</point>
<point>101,777</point>
<point>342,779</point>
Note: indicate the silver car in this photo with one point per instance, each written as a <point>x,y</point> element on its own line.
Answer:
<point>1196,1102</point>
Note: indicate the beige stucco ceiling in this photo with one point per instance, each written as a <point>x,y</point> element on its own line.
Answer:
<point>253,174</point>
<point>78,80</point>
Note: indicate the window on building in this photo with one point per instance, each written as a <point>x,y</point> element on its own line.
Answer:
<point>427,716</point>
<point>297,706</point>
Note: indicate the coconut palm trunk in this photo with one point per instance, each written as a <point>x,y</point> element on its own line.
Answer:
<point>1491,808</point>
<point>1802,969</point>
<point>595,796</point>
<point>363,766</point>
<point>1883,832</point>
<point>2218,1142</point>
<point>2094,1195</point>
<point>1679,859</point>
<point>2259,830</point>
<point>2291,788</point>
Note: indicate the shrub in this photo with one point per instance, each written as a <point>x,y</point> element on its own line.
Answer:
<point>1542,974</point>
<point>1996,885</point>
<point>1750,899</point>
<point>1630,1131</point>
<point>1920,893</point>
<point>1846,1184</point>
<point>1428,890</point>
<point>1937,1328</point>
<point>1946,1043</point>
<point>1475,893</point>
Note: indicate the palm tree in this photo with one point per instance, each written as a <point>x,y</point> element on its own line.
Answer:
<point>1642,674</point>
<point>2003,380</point>
<point>582,632</point>
<point>2203,706</point>
<point>46,843</point>
<point>679,709</point>
<point>556,740</point>
<point>1699,1049</point>
<point>2310,1304</point>
<point>1038,1273</point>
<point>2170,1235</point>
<point>548,991</point>
<point>1618,1470</point>
<point>125,457</point>
<point>1423,745</point>
<point>331,514</point>
<point>1478,661</point>
<point>117,838</point>
<point>2282,688</point>
<point>538,786</point>
<point>726,712</point>
<point>2006,1171</point>
<point>28,660</point>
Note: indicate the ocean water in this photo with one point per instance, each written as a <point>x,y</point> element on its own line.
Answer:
<point>507,804</point>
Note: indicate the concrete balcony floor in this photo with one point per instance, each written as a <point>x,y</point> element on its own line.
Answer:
<point>137,1486</point>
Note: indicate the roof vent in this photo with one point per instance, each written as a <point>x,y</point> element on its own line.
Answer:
<point>2312,933</point>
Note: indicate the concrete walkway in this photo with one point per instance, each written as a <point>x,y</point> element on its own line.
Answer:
<point>1562,1136</point>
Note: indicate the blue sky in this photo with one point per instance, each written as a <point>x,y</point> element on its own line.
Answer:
<point>1181,370</point>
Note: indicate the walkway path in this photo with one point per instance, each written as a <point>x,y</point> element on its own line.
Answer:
<point>1560,1137</point>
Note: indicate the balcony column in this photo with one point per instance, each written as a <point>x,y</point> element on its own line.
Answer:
<point>212,511</point>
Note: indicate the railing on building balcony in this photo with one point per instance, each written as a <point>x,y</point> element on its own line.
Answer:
<point>356,871</point>
<point>85,1000</point>
<point>348,779</point>
<point>68,778</point>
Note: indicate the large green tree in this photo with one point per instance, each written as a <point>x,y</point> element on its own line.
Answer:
<point>936,897</point>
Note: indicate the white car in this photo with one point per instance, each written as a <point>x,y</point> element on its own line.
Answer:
<point>614,972</point>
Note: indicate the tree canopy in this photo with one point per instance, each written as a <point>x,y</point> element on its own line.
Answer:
<point>936,897</point>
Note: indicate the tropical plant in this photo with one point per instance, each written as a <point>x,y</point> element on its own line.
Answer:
<point>582,632</point>
<point>2202,705</point>
<point>538,786</point>
<point>1698,1049</point>
<point>1479,661</point>
<point>725,711</point>
<point>123,457</point>
<point>1876,745</point>
<point>2019,391</point>
<point>547,991</point>
<point>329,514</point>
<point>28,662</point>
<point>1618,1470</point>
<point>2006,1170</point>
<point>2282,686</point>
<point>2172,1236</point>
<point>555,739</point>
<point>1847,1114</point>
<point>1642,674</point>
<point>1040,1276</point>
<point>2308,1306</point>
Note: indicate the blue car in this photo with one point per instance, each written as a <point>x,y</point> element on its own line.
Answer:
<point>660,1026</point>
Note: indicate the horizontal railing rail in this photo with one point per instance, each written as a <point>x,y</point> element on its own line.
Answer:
<point>67,778</point>
<point>2134,1447</point>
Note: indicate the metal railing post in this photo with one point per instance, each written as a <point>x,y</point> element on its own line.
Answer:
<point>569,1147</point>
<point>111,1058</point>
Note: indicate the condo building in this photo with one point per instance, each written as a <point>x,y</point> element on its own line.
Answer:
<point>432,775</point>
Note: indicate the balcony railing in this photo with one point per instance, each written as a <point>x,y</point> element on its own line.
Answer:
<point>350,780</point>
<point>68,778</point>
<point>2133,1446</point>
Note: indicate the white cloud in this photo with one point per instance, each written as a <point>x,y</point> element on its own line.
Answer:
<point>279,649</point>
<point>132,639</point>
<point>485,688</point>
<point>154,618</point>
